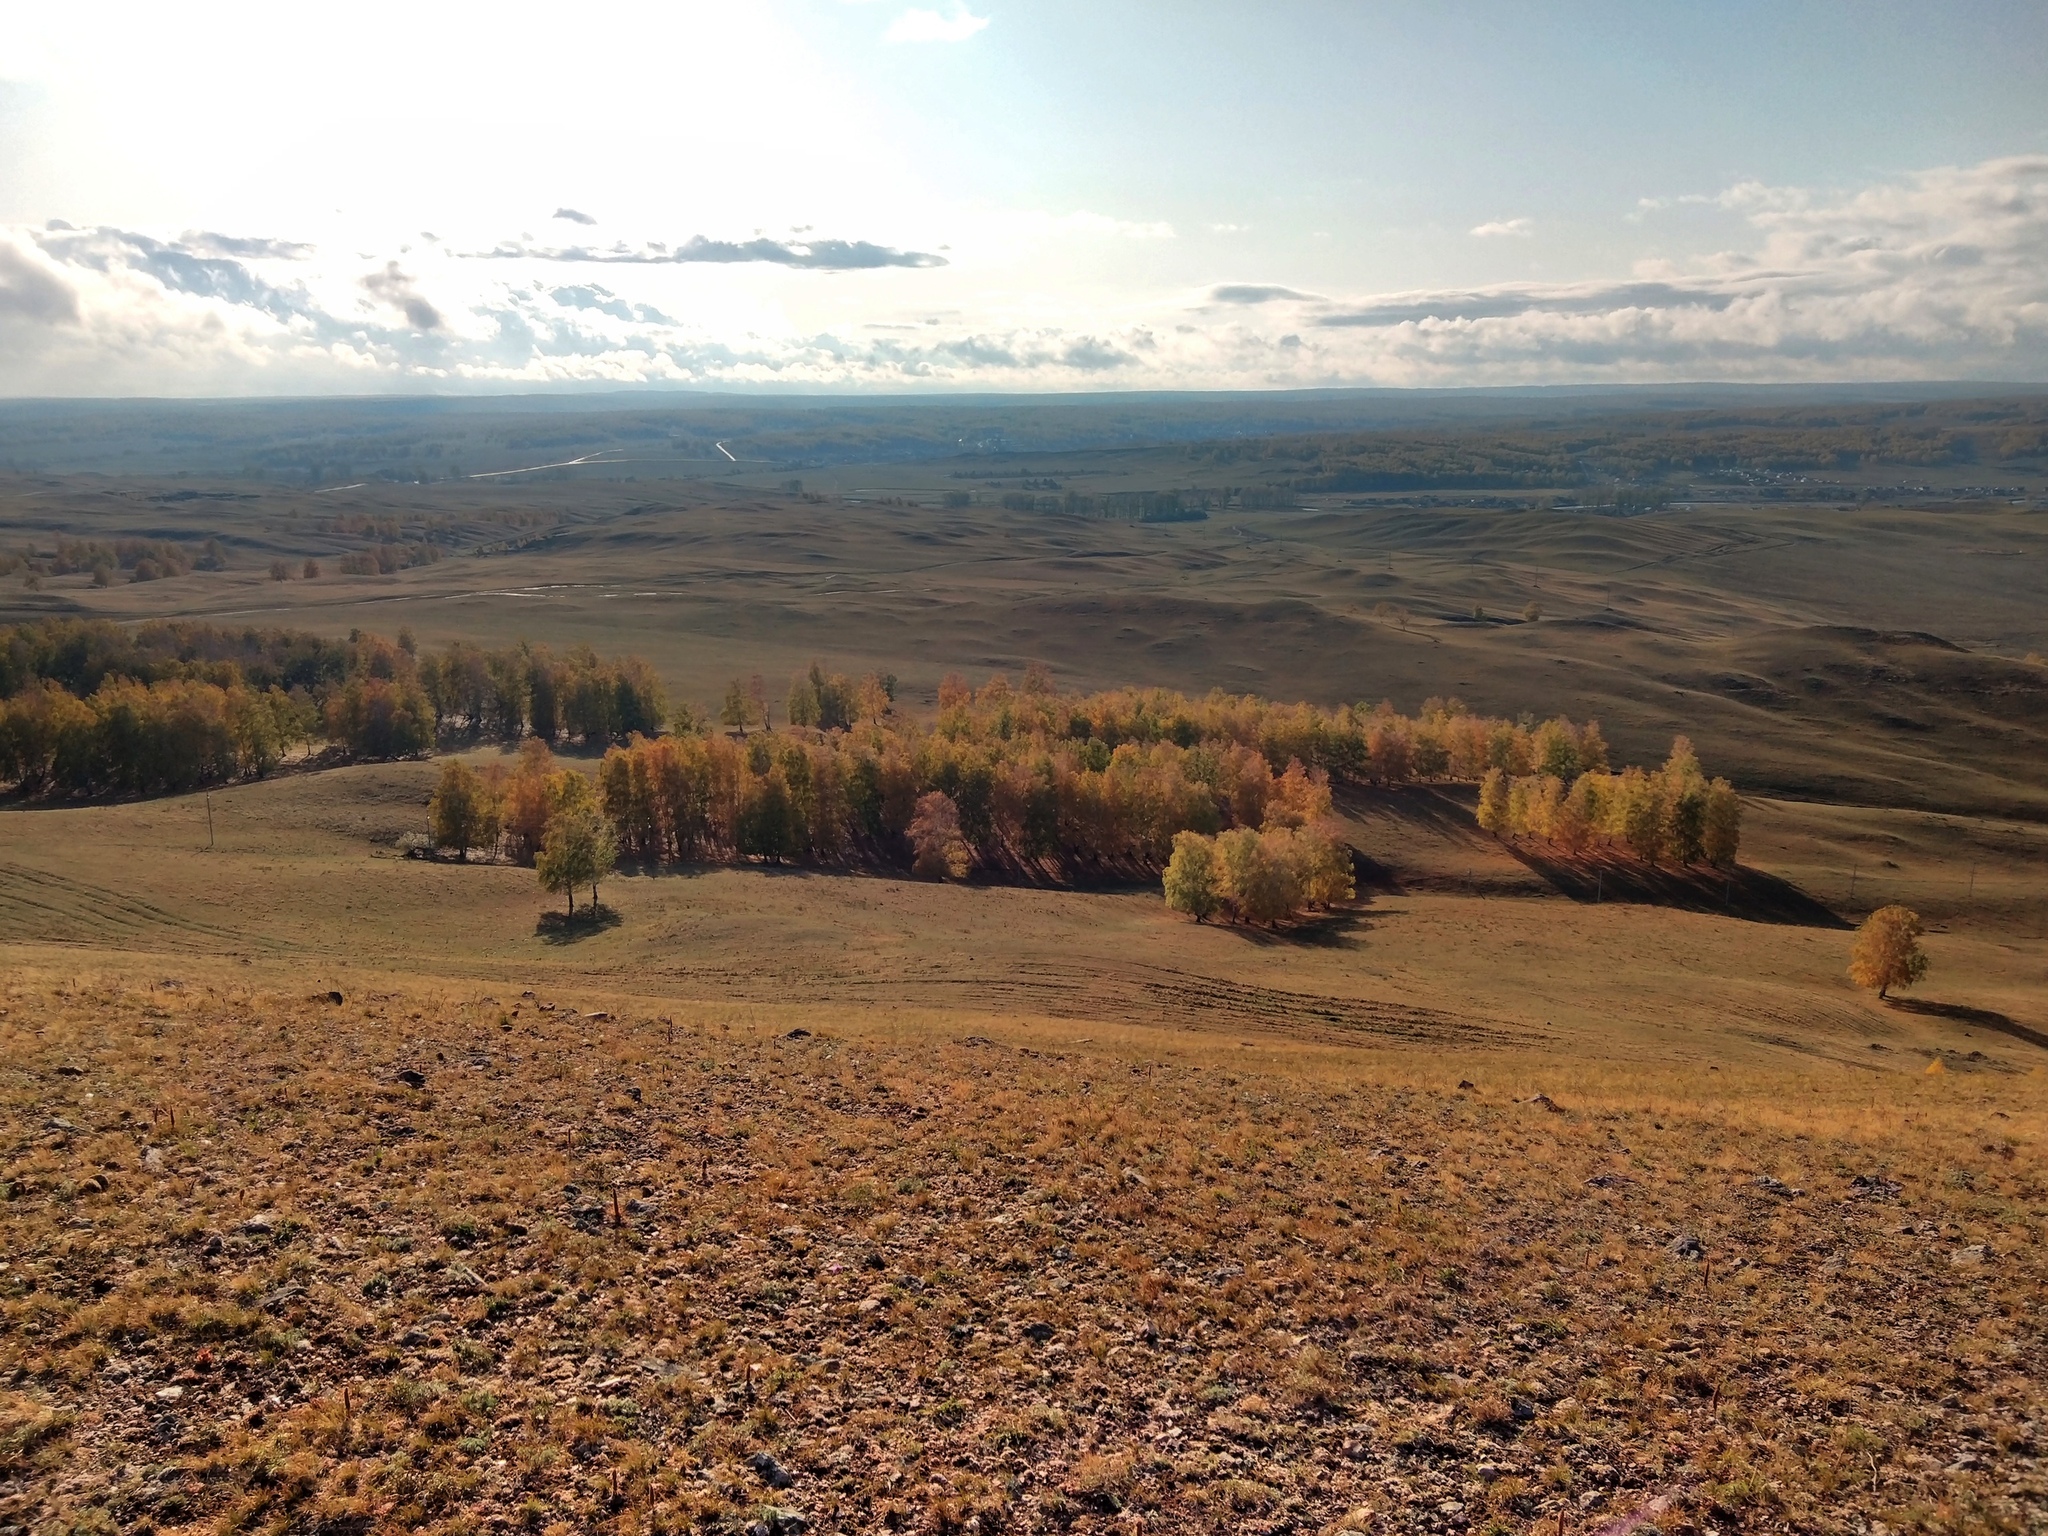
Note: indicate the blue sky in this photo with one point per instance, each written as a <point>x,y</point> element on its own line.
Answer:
<point>238,198</point>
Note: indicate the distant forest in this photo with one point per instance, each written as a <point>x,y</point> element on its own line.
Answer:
<point>1323,440</point>
<point>1644,449</point>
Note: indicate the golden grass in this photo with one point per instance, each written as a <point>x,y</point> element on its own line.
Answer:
<point>983,1209</point>
<point>630,1272</point>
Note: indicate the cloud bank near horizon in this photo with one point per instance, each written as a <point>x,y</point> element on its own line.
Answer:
<point>1940,274</point>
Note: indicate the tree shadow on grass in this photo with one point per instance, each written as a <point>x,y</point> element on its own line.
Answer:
<point>561,928</point>
<point>1330,928</point>
<point>1742,892</point>
<point>1982,1018</point>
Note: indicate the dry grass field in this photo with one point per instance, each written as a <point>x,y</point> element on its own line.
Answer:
<point>1871,654</point>
<point>341,1194</point>
<point>1003,1209</point>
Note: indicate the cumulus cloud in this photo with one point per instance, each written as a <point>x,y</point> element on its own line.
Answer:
<point>604,302</point>
<point>817,255</point>
<point>30,291</point>
<point>1943,274</point>
<point>1499,227</point>
<point>922,26</point>
<point>183,266</point>
<point>574,216</point>
<point>395,288</point>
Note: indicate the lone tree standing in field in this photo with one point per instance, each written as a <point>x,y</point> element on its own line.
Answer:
<point>578,849</point>
<point>464,811</point>
<point>1887,952</point>
<point>737,710</point>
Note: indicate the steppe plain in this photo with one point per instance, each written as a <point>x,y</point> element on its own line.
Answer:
<point>810,1199</point>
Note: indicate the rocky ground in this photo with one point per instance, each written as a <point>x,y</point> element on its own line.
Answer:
<point>418,1260</point>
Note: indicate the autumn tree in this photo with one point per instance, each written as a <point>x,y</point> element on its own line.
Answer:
<point>578,849</point>
<point>769,823</point>
<point>1258,874</point>
<point>874,697</point>
<point>1298,798</point>
<point>1576,818</point>
<point>1493,801</point>
<point>1887,953</point>
<point>1721,829</point>
<point>802,708</point>
<point>464,811</point>
<point>1323,865</point>
<point>1190,877</point>
<point>935,833</point>
<point>737,712</point>
<point>1636,814</point>
<point>523,808</point>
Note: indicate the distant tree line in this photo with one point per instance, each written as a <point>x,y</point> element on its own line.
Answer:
<point>1116,506</point>
<point>131,559</point>
<point>1639,447</point>
<point>88,706</point>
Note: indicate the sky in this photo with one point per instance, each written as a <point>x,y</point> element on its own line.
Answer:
<point>1033,195</point>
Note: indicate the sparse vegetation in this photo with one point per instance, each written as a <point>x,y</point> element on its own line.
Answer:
<point>642,1273</point>
<point>1554,1177</point>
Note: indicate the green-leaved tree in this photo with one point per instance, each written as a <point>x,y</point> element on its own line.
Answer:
<point>1190,877</point>
<point>578,849</point>
<point>464,810</point>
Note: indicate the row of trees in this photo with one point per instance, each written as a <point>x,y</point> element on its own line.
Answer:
<point>91,707</point>
<point>816,797</point>
<point>1116,506</point>
<point>141,559</point>
<point>525,690</point>
<point>1029,779</point>
<point>1674,813</point>
<point>883,794</point>
<point>146,737</point>
<point>1361,743</point>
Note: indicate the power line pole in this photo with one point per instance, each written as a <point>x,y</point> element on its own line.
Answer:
<point>209,821</point>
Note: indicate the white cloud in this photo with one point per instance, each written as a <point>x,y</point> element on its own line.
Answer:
<point>1501,227</point>
<point>921,26</point>
<point>1942,274</point>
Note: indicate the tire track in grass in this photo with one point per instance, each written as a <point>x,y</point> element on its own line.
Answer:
<point>110,911</point>
<point>1170,997</point>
